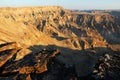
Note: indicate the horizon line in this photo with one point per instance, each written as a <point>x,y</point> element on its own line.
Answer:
<point>54,6</point>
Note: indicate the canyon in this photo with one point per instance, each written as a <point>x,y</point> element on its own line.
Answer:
<point>33,37</point>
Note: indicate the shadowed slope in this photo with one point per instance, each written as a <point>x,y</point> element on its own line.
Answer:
<point>55,25</point>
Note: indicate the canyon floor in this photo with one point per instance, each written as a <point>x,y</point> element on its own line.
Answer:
<point>53,43</point>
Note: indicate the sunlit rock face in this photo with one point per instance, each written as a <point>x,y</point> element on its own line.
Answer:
<point>55,25</point>
<point>81,37</point>
<point>32,63</point>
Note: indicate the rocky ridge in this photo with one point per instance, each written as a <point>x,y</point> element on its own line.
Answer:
<point>34,62</point>
<point>65,26</point>
<point>81,37</point>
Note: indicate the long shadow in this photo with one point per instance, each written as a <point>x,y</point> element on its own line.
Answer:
<point>59,70</point>
<point>29,60</point>
<point>59,38</point>
<point>5,44</point>
<point>32,59</point>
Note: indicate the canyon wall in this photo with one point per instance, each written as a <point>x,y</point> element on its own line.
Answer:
<point>43,32</point>
<point>55,25</point>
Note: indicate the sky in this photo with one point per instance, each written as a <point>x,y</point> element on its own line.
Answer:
<point>68,4</point>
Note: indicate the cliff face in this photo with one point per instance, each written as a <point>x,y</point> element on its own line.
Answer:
<point>19,25</point>
<point>82,37</point>
<point>76,30</point>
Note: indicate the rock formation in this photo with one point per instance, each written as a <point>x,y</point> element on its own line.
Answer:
<point>59,26</point>
<point>33,63</point>
<point>30,36</point>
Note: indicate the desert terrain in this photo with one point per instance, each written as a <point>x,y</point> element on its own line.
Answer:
<point>53,43</point>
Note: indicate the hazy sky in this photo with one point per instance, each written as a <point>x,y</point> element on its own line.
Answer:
<point>68,4</point>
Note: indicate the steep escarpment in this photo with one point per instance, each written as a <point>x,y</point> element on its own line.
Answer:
<point>77,30</point>
<point>19,25</point>
<point>94,29</point>
<point>31,36</point>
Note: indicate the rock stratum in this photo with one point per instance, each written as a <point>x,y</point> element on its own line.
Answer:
<point>37,41</point>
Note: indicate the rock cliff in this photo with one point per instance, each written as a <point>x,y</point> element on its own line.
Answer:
<point>76,30</point>
<point>29,35</point>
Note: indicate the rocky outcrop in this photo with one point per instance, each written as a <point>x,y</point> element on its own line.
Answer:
<point>38,32</point>
<point>7,51</point>
<point>107,67</point>
<point>32,63</point>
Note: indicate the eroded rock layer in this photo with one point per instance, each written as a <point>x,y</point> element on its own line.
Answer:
<point>76,30</point>
<point>31,36</point>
